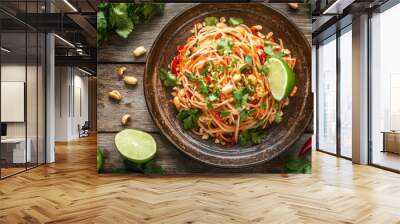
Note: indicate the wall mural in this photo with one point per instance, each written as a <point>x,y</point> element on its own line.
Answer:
<point>204,88</point>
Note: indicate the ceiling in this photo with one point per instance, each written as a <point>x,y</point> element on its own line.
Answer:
<point>72,20</point>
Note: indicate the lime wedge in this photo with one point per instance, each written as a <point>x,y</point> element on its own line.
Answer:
<point>281,78</point>
<point>136,146</point>
<point>100,160</point>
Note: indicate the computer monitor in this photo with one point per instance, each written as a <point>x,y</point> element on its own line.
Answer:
<point>3,129</point>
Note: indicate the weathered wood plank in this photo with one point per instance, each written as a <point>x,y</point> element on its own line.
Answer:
<point>109,112</point>
<point>117,49</point>
<point>175,162</point>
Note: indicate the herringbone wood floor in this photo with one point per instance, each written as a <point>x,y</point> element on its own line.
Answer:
<point>70,191</point>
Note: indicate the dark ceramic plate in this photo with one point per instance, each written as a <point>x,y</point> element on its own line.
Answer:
<point>279,137</point>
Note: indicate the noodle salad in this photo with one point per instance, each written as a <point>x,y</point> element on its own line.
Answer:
<point>230,81</point>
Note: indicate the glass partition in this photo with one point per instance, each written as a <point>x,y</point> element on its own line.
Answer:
<point>385,89</point>
<point>22,77</point>
<point>326,105</point>
<point>346,92</point>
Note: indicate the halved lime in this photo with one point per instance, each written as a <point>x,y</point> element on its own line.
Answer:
<point>281,78</point>
<point>136,146</point>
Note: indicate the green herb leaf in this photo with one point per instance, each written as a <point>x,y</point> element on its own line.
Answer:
<point>264,70</point>
<point>167,77</point>
<point>224,47</point>
<point>211,21</point>
<point>214,96</point>
<point>268,49</point>
<point>298,165</point>
<point>278,55</point>
<point>152,168</point>
<point>214,78</point>
<point>235,21</point>
<point>192,77</point>
<point>149,10</point>
<point>209,104</point>
<point>189,117</point>
<point>278,116</point>
<point>203,86</point>
<point>119,19</point>
<point>264,106</point>
<point>225,113</point>
<point>248,59</point>
<point>244,114</point>
<point>244,138</point>
<point>257,136</point>
<point>254,136</point>
<point>241,96</point>
<point>101,27</point>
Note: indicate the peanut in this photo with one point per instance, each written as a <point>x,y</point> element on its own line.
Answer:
<point>293,5</point>
<point>130,80</point>
<point>125,119</point>
<point>252,79</point>
<point>227,89</point>
<point>257,27</point>
<point>115,95</point>
<point>121,71</point>
<point>139,51</point>
<point>236,77</point>
<point>177,102</point>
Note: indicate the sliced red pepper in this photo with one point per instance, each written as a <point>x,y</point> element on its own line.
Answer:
<point>218,117</point>
<point>174,65</point>
<point>306,147</point>
<point>254,31</point>
<point>219,35</point>
<point>222,97</point>
<point>179,48</point>
<point>208,79</point>
<point>188,94</point>
<point>262,55</point>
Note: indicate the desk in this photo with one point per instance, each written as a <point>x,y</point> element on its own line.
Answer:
<point>18,150</point>
<point>391,141</point>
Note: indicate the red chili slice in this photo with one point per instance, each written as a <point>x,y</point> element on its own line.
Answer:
<point>306,147</point>
<point>179,48</point>
<point>188,94</point>
<point>208,79</point>
<point>218,117</point>
<point>254,31</point>
<point>174,65</point>
<point>261,55</point>
<point>219,35</point>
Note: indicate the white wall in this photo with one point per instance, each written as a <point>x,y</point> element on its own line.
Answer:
<point>70,83</point>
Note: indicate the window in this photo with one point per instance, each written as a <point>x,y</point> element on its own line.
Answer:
<point>326,105</point>
<point>346,75</point>
<point>385,89</point>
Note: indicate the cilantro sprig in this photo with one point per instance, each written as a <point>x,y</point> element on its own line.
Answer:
<point>253,136</point>
<point>167,77</point>
<point>224,47</point>
<point>241,95</point>
<point>189,117</point>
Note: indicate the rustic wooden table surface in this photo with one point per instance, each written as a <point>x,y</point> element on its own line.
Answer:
<point>117,52</point>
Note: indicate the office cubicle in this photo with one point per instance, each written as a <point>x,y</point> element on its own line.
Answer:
<point>22,95</point>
